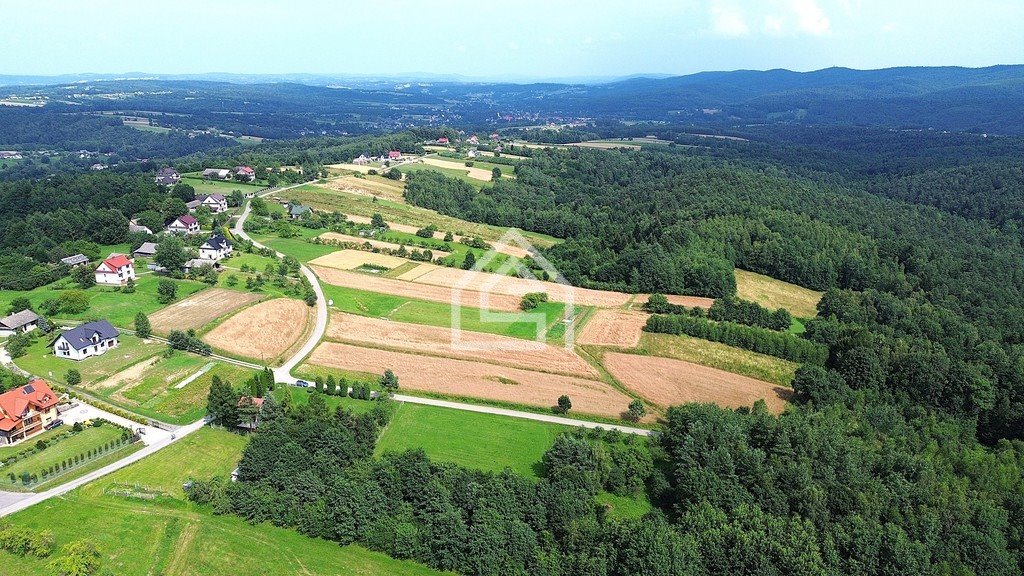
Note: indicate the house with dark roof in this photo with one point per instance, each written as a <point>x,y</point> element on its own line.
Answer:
<point>192,205</point>
<point>216,248</point>
<point>134,226</point>
<point>75,261</point>
<point>184,225</point>
<point>167,176</point>
<point>116,270</point>
<point>146,250</point>
<point>86,340</point>
<point>24,321</point>
<point>298,211</point>
<point>26,411</point>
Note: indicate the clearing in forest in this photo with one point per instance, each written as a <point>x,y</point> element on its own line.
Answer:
<point>721,356</point>
<point>200,309</point>
<point>771,293</point>
<point>437,341</point>
<point>264,331</point>
<point>619,328</point>
<point>461,378</point>
<point>664,381</point>
<point>377,243</point>
<point>352,259</point>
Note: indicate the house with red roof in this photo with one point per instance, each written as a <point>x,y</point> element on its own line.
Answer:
<point>394,155</point>
<point>244,173</point>
<point>26,411</point>
<point>116,270</point>
<point>186,224</point>
<point>443,140</point>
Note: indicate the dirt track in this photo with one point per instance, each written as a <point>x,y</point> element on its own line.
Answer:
<point>665,381</point>
<point>476,379</point>
<point>438,342</point>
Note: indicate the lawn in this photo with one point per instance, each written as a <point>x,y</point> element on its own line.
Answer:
<point>624,507</point>
<point>471,439</point>
<point>170,536</point>
<point>41,362</point>
<point>300,396</point>
<point>75,445</point>
<point>218,187</point>
<point>402,309</point>
<point>771,293</point>
<point>296,247</point>
<point>450,172</point>
<point>721,356</point>
<point>104,302</point>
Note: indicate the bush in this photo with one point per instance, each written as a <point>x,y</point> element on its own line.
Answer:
<point>531,300</point>
<point>73,377</point>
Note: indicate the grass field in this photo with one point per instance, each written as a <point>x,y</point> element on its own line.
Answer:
<point>142,537</point>
<point>470,439</point>
<point>772,293</point>
<point>218,187</point>
<point>116,307</point>
<point>75,445</point>
<point>721,356</point>
<point>41,362</point>
<point>624,507</point>
<point>414,311</point>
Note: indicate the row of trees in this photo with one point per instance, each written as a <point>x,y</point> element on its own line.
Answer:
<point>760,340</point>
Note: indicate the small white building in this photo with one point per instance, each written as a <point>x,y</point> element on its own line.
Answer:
<point>81,342</point>
<point>217,203</point>
<point>116,270</point>
<point>184,225</point>
<point>216,174</point>
<point>216,248</point>
<point>24,321</point>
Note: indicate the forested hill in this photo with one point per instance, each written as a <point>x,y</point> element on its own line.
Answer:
<point>924,307</point>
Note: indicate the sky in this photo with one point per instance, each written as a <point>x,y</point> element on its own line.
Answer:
<point>515,40</point>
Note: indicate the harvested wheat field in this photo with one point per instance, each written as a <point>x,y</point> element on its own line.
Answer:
<point>771,293</point>
<point>394,287</point>
<point>371,186</point>
<point>613,328</point>
<point>510,249</point>
<point>264,331</point>
<point>475,379</point>
<point>416,272</point>
<point>438,342</point>
<point>665,382</point>
<point>688,301</point>
<point>377,243</point>
<point>200,309</point>
<point>516,286</point>
<point>352,259</point>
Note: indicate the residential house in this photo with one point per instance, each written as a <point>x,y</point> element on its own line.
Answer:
<point>244,173</point>
<point>495,136</point>
<point>298,211</point>
<point>167,176</point>
<point>24,321</point>
<point>184,225</point>
<point>147,250</point>
<point>216,174</point>
<point>216,248</point>
<point>217,203</point>
<point>249,408</point>
<point>116,270</point>
<point>443,140</point>
<point>196,263</point>
<point>134,226</point>
<point>26,411</point>
<point>192,205</point>
<point>474,140</point>
<point>86,340</point>
<point>473,153</point>
<point>97,167</point>
<point>362,160</point>
<point>394,155</point>
<point>75,261</point>
<point>10,155</point>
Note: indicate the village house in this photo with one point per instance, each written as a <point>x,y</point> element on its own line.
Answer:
<point>443,140</point>
<point>75,261</point>
<point>474,140</point>
<point>197,263</point>
<point>10,155</point>
<point>116,270</point>
<point>167,176</point>
<point>473,153</point>
<point>26,411</point>
<point>146,250</point>
<point>24,321</point>
<point>217,203</point>
<point>298,211</point>
<point>394,155</point>
<point>90,339</point>
<point>134,226</point>
<point>216,174</point>
<point>216,248</point>
<point>249,408</point>
<point>184,225</point>
<point>244,173</point>
<point>97,167</point>
<point>362,160</point>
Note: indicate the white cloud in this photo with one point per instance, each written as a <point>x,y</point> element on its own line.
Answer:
<point>810,18</point>
<point>727,20</point>
<point>772,25</point>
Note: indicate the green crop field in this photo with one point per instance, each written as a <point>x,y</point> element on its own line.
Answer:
<point>471,439</point>
<point>171,536</point>
<point>104,302</point>
<point>402,309</point>
<point>721,356</point>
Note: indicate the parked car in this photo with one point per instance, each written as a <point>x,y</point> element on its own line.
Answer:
<point>54,424</point>
<point>303,384</point>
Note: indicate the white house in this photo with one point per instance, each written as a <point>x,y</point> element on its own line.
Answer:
<point>184,225</point>
<point>216,174</point>
<point>87,340</point>
<point>24,321</point>
<point>362,160</point>
<point>216,248</point>
<point>116,270</point>
<point>217,203</point>
<point>244,173</point>
<point>134,226</point>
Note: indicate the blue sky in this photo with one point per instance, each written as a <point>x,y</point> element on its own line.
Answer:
<point>517,39</point>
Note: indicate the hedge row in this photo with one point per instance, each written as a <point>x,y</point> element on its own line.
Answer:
<point>760,340</point>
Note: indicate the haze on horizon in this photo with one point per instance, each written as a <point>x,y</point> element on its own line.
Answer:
<point>527,39</point>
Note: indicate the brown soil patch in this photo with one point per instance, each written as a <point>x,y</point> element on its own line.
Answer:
<point>688,301</point>
<point>515,286</point>
<point>132,374</point>
<point>509,249</point>
<point>366,186</point>
<point>409,289</point>
<point>264,331</point>
<point>664,381</point>
<point>476,379</point>
<point>352,259</point>
<point>200,309</point>
<point>438,342</point>
<point>613,328</point>
<point>378,243</point>
<point>771,293</point>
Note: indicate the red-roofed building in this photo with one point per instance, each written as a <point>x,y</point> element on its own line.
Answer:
<point>26,411</point>
<point>186,224</point>
<point>249,409</point>
<point>244,173</point>
<point>443,140</point>
<point>394,155</point>
<point>116,270</point>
